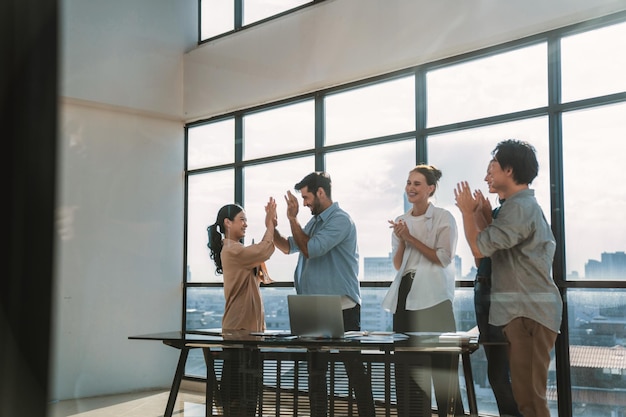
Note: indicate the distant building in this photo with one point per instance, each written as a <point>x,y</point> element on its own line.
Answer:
<point>373,317</point>
<point>598,380</point>
<point>458,267</point>
<point>471,275</point>
<point>381,268</point>
<point>378,269</point>
<point>612,266</point>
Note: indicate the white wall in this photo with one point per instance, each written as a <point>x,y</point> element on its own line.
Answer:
<point>338,41</point>
<point>119,261</point>
<point>127,52</point>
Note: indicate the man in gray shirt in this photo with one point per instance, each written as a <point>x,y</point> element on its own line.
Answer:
<point>521,245</point>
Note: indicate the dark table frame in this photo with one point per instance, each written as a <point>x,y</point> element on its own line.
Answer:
<point>211,341</point>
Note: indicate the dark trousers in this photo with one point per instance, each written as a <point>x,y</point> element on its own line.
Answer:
<point>438,318</point>
<point>241,379</point>
<point>496,351</point>
<point>358,377</point>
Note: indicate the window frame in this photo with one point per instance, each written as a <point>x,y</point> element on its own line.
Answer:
<point>238,6</point>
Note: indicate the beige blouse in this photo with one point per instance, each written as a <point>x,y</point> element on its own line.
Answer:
<point>244,306</point>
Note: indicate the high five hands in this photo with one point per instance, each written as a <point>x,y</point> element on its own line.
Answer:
<point>270,212</point>
<point>292,205</point>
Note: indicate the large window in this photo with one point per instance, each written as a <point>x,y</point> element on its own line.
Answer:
<point>594,63</point>
<point>206,193</point>
<point>281,130</point>
<point>595,202</point>
<point>377,110</point>
<point>218,17</point>
<point>564,92</point>
<point>497,84</point>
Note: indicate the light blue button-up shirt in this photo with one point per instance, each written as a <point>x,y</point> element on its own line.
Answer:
<point>333,263</point>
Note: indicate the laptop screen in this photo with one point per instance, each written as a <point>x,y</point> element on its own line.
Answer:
<point>318,316</point>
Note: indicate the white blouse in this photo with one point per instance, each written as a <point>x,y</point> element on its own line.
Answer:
<point>433,283</point>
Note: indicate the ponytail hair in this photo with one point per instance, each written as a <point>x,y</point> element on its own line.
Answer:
<point>217,230</point>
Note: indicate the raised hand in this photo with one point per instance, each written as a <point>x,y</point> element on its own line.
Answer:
<point>292,205</point>
<point>271,218</point>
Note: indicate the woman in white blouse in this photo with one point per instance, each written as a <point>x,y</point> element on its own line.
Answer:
<point>423,246</point>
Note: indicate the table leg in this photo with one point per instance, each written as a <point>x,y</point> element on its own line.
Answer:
<point>178,376</point>
<point>452,384</point>
<point>211,381</point>
<point>469,384</point>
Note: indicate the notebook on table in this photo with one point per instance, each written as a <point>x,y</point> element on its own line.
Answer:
<point>316,316</point>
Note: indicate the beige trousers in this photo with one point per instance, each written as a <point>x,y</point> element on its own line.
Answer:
<point>530,345</point>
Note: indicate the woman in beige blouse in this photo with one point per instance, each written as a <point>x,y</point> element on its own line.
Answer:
<point>243,268</point>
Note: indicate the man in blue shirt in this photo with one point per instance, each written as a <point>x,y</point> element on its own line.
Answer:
<point>328,263</point>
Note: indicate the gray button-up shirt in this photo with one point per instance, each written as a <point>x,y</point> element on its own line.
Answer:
<point>521,246</point>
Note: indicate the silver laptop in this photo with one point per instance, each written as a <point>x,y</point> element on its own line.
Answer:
<point>316,316</point>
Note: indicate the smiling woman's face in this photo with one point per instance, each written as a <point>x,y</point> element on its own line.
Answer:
<point>417,189</point>
<point>236,228</point>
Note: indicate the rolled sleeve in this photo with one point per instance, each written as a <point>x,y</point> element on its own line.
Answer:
<point>446,243</point>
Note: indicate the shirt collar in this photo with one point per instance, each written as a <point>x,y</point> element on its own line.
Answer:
<point>430,212</point>
<point>428,216</point>
<point>323,216</point>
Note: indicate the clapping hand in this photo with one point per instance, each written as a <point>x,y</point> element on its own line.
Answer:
<point>484,205</point>
<point>400,229</point>
<point>465,201</point>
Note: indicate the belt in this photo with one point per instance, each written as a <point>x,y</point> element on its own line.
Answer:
<point>409,275</point>
<point>483,279</point>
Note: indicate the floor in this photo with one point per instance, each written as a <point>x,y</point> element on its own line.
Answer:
<point>139,404</point>
<point>189,403</point>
